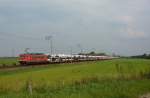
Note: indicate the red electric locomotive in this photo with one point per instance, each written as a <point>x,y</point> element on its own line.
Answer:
<point>33,58</point>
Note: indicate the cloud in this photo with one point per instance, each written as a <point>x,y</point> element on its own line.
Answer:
<point>126,19</point>
<point>93,23</point>
<point>130,33</point>
<point>131,30</point>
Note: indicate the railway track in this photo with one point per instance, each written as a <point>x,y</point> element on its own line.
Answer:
<point>11,67</point>
<point>20,66</point>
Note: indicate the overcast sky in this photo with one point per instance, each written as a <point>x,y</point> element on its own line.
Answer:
<point>111,26</point>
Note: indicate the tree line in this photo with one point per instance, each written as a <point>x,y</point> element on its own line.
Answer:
<point>144,56</point>
<point>93,54</point>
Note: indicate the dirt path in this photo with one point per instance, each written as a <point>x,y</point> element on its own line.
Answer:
<point>145,96</point>
<point>20,67</point>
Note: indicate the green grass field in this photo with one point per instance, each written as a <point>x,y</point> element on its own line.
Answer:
<point>119,78</point>
<point>9,61</point>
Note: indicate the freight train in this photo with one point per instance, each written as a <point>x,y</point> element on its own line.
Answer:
<point>40,58</point>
